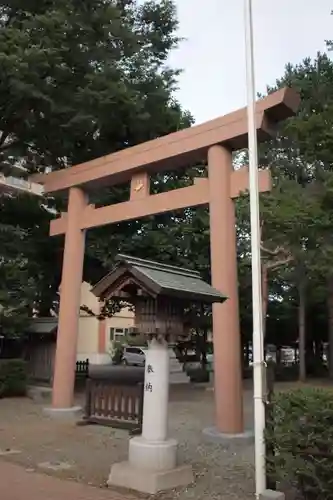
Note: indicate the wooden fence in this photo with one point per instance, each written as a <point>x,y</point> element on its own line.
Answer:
<point>82,368</point>
<point>40,361</point>
<point>115,405</point>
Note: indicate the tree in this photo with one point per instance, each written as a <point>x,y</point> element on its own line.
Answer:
<point>82,79</point>
<point>303,152</point>
<point>79,80</point>
<point>28,262</point>
<point>272,259</point>
<point>15,283</point>
<point>293,217</point>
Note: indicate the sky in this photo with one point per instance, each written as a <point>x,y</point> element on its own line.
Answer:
<point>212,55</point>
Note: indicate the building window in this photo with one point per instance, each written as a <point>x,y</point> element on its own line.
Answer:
<point>117,333</point>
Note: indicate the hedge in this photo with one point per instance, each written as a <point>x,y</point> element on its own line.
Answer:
<point>301,433</point>
<point>13,378</point>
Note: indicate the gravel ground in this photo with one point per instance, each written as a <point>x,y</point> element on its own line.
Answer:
<point>89,451</point>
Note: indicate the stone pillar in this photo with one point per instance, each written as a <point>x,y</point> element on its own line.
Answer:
<point>156,392</point>
<point>70,295</point>
<point>152,461</point>
<point>226,331</point>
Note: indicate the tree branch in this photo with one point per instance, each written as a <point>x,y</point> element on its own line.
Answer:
<point>278,251</point>
<point>4,136</point>
<point>275,252</point>
<point>281,262</point>
<point>284,255</point>
<point>8,145</point>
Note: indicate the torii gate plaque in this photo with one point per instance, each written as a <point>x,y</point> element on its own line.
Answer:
<point>214,140</point>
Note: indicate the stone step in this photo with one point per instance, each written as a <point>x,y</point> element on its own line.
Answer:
<point>179,378</point>
<point>177,372</point>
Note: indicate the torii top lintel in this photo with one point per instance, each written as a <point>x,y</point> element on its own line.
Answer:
<point>177,149</point>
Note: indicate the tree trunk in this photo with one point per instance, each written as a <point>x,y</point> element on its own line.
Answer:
<point>247,354</point>
<point>318,345</point>
<point>330,325</point>
<point>204,349</point>
<point>301,331</point>
<point>278,354</point>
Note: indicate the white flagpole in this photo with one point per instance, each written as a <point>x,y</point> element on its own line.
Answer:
<point>258,341</point>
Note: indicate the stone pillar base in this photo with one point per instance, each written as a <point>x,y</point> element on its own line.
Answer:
<point>126,475</point>
<point>155,456</point>
<point>151,467</point>
<point>72,413</point>
<point>40,394</point>
<point>214,435</point>
<point>272,495</point>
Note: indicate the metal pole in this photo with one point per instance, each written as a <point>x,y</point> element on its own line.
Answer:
<point>258,341</point>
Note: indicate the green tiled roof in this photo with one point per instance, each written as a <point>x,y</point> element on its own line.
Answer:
<point>171,280</point>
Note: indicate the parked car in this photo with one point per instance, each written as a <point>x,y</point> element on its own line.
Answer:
<point>210,359</point>
<point>133,356</point>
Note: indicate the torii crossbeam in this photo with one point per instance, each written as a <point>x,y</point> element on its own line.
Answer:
<point>212,142</point>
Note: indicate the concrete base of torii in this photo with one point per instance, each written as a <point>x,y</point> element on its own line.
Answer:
<point>152,460</point>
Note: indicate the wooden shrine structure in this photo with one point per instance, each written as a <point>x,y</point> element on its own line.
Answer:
<point>159,293</point>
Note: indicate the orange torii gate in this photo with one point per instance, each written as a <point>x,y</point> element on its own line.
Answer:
<point>213,142</point>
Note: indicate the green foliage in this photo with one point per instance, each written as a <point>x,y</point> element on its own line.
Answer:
<point>302,162</point>
<point>78,80</point>
<point>136,340</point>
<point>117,353</point>
<point>16,284</point>
<point>311,130</point>
<point>13,378</point>
<point>108,308</point>
<point>293,218</point>
<point>301,432</point>
<point>29,262</point>
<point>82,79</point>
<point>297,215</point>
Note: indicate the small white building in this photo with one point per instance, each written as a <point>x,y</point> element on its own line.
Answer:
<point>13,183</point>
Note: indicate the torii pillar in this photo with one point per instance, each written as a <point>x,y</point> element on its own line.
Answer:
<point>226,328</point>
<point>69,310</point>
<point>226,184</point>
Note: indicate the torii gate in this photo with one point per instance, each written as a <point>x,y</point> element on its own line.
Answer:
<point>213,141</point>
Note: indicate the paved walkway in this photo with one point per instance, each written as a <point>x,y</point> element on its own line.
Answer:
<point>18,484</point>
